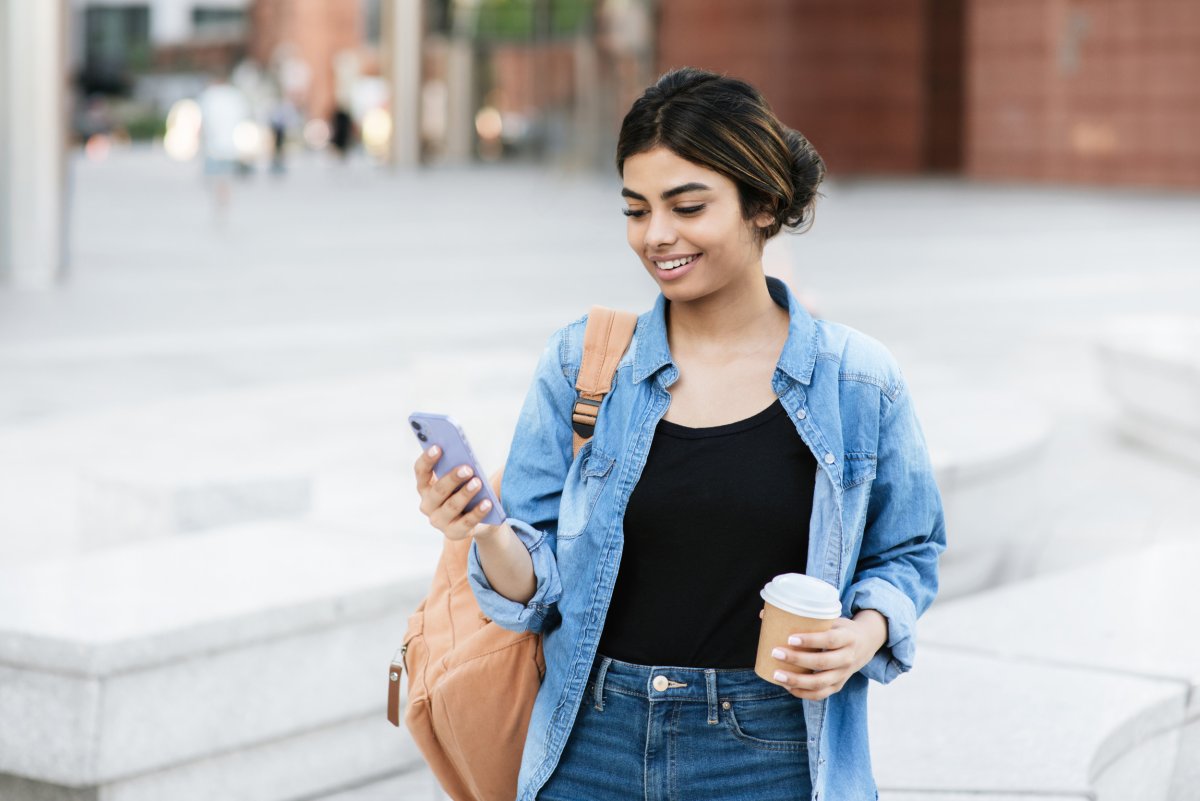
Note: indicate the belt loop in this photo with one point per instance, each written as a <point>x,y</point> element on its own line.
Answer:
<point>600,683</point>
<point>710,682</point>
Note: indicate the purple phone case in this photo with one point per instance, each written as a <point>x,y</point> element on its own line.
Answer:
<point>443,431</point>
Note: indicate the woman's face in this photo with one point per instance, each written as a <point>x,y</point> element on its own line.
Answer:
<point>685,223</point>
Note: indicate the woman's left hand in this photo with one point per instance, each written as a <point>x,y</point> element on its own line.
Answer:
<point>846,648</point>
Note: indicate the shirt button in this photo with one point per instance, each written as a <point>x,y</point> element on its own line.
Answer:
<point>660,683</point>
<point>802,414</point>
<point>829,458</point>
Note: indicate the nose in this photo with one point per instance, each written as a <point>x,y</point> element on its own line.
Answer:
<point>660,231</point>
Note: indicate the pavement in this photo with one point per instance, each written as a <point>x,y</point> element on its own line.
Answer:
<point>336,274</point>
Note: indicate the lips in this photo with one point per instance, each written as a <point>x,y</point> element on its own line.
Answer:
<point>672,264</point>
<point>685,265</point>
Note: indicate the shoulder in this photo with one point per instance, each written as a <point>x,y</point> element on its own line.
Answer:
<point>567,343</point>
<point>857,357</point>
<point>565,346</point>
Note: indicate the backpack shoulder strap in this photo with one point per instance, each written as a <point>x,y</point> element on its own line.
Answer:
<point>605,341</point>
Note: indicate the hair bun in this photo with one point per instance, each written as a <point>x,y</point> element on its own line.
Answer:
<point>807,172</point>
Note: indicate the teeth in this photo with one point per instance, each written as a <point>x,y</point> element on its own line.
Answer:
<point>671,265</point>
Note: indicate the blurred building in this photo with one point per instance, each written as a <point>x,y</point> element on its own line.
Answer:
<point>1086,91</point>
<point>318,46</point>
<point>154,51</point>
<point>1073,91</point>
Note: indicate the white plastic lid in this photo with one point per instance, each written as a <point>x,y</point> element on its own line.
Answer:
<point>803,595</point>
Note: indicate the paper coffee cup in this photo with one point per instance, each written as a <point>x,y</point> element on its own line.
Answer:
<point>795,603</point>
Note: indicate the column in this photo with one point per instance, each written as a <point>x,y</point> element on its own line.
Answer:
<point>32,142</point>
<point>403,36</point>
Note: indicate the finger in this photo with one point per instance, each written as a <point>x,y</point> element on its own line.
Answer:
<point>813,695</point>
<point>815,686</point>
<point>829,640</point>
<point>808,682</point>
<point>443,488</point>
<point>453,480</point>
<point>475,517</point>
<point>424,466</point>
<point>471,524</point>
<point>452,508</point>
<point>814,660</point>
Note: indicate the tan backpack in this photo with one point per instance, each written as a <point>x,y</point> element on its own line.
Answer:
<point>471,683</point>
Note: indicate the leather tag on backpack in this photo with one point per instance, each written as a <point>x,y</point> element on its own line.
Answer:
<point>395,672</point>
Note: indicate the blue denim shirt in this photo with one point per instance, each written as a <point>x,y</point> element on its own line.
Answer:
<point>876,530</point>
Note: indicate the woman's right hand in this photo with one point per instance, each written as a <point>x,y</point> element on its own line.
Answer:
<point>443,500</point>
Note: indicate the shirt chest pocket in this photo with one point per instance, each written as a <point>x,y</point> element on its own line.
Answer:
<point>585,482</point>
<point>858,468</point>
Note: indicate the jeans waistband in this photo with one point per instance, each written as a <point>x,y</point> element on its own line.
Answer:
<point>712,686</point>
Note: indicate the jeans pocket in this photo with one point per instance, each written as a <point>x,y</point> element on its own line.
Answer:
<point>773,724</point>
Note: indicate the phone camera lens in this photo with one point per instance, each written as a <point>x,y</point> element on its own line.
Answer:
<point>422,437</point>
<point>416,426</point>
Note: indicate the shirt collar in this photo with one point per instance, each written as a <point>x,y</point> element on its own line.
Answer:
<point>797,360</point>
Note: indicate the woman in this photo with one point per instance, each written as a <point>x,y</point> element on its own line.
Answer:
<point>741,439</point>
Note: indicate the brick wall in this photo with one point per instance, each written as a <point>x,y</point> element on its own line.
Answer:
<point>1086,91</point>
<point>319,29</point>
<point>849,74</point>
<point>527,77</point>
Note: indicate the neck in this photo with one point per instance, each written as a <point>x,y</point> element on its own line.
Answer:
<point>739,319</point>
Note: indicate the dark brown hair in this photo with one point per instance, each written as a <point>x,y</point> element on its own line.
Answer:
<point>725,125</point>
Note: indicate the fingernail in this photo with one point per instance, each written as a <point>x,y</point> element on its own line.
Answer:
<point>464,471</point>
<point>778,653</point>
<point>473,483</point>
<point>433,451</point>
<point>780,676</point>
<point>485,505</point>
<point>795,639</point>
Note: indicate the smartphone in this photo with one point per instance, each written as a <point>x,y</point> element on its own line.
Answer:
<point>443,431</point>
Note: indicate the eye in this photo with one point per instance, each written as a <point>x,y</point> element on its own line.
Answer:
<point>689,209</point>
<point>635,213</point>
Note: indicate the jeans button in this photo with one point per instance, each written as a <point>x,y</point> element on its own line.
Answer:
<point>660,683</point>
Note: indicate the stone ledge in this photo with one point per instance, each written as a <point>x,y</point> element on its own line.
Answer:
<point>979,468</point>
<point>120,503</point>
<point>1152,369</point>
<point>925,795</point>
<point>1109,615</point>
<point>150,657</point>
<point>140,605</point>
<point>324,759</point>
<point>967,723</point>
<point>1065,684</point>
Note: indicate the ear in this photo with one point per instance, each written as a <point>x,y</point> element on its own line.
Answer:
<point>762,220</point>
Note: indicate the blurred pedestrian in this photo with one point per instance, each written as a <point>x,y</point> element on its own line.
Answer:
<point>282,118</point>
<point>223,108</point>
<point>742,439</point>
<point>341,131</point>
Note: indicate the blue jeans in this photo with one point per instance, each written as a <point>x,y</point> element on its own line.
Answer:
<point>679,734</point>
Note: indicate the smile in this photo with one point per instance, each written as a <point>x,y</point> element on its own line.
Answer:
<point>671,265</point>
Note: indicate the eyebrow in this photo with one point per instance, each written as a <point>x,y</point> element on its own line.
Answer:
<point>694,186</point>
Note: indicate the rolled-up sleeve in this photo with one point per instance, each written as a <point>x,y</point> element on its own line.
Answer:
<point>904,535</point>
<point>531,489</point>
<point>529,616</point>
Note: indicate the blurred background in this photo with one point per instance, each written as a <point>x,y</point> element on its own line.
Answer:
<point>240,240</point>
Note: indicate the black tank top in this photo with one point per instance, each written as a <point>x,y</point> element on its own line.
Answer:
<point>716,514</point>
